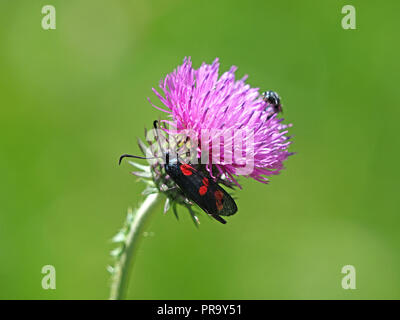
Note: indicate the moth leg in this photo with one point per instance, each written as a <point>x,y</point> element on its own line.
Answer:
<point>164,187</point>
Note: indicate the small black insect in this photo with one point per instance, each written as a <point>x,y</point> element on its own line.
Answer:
<point>273,99</point>
<point>197,187</point>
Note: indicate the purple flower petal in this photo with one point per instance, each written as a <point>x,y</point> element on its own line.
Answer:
<point>197,99</point>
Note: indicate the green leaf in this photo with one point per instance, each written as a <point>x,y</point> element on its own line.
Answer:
<point>129,217</point>
<point>116,252</point>
<point>195,219</point>
<point>142,174</point>
<point>119,237</point>
<point>175,210</point>
<point>110,269</point>
<point>140,166</point>
<point>149,190</point>
<point>150,183</point>
<point>143,147</point>
<point>166,206</point>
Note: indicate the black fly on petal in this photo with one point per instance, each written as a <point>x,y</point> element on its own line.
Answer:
<point>273,99</point>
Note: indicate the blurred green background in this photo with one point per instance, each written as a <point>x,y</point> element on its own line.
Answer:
<point>73,99</point>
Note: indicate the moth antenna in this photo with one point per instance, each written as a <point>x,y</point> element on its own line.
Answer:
<point>155,124</point>
<point>131,156</point>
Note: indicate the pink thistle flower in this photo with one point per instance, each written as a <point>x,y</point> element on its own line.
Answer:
<point>199,101</point>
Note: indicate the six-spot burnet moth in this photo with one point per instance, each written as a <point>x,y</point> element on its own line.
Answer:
<point>197,186</point>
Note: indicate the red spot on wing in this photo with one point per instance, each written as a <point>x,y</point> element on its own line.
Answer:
<point>186,169</point>
<point>218,195</point>
<point>203,190</point>
<point>205,181</point>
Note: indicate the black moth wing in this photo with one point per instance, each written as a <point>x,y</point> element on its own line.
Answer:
<point>212,198</point>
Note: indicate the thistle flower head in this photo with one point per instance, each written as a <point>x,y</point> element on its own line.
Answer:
<point>231,129</point>
<point>235,129</point>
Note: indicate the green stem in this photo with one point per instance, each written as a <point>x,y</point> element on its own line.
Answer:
<point>123,266</point>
